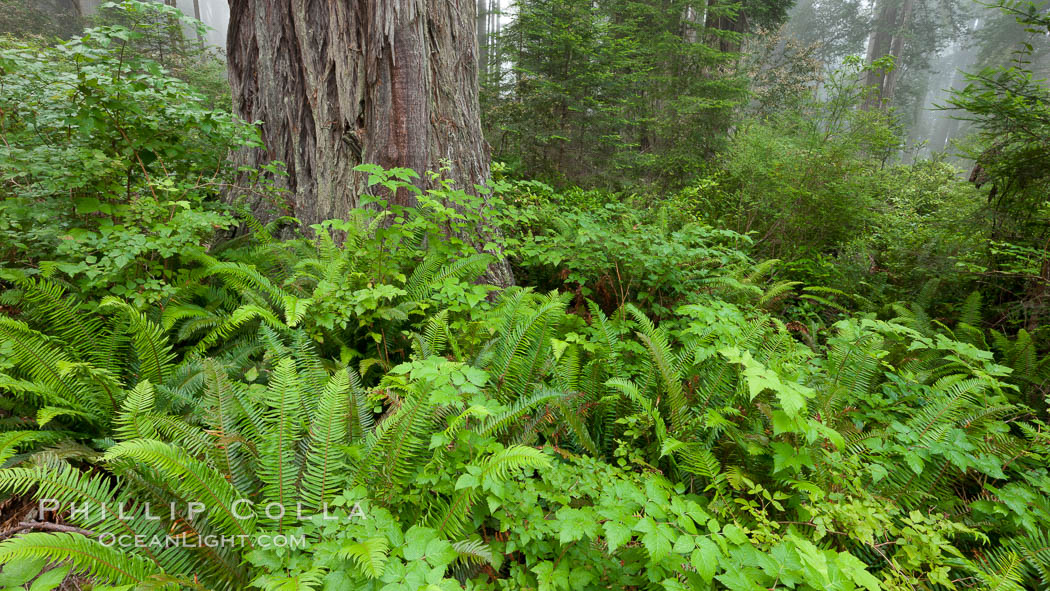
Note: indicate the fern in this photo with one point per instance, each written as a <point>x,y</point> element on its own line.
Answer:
<point>496,468</point>
<point>50,306</point>
<point>278,463</point>
<point>370,556</point>
<point>245,278</point>
<point>191,478</point>
<point>237,319</point>
<point>96,501</point>
<point>89,557</point>
<point>663,360</point>
<point>328,430</point>
<point>394,450</point>
<point>12,441</point>
<point>500,423</point>
<point>151,346</point>
<point>46,363</point>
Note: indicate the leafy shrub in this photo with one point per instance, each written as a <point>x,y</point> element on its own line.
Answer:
<point>612,252</point>
<point>107,164</point>
<point>24,19</point>
<point>845,465</point>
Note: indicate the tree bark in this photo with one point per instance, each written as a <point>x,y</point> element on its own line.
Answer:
<point>340,83</point>
<point>878,46</point>
<point>718,20</point>
<point>897,51</point>
<point>482,19</point>
<point>892,18</point>
<point>197,15</point>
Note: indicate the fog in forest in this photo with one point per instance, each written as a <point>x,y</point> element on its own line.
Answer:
<point>215,14</point>
<point>67,17</point>
<point>934,45</point>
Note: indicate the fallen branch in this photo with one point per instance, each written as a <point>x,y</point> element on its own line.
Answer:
<point>43,526</point>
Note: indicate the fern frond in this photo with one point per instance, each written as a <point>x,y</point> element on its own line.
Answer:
<point>631,391</point>
<point>174,313</point>
<point>971,310</point>
<point>428,276</point>
<point>238,318</point>
<point>192,478</point>
<point>323,473</point>
<point>663,360</point>
<point>46,364</point>
<point>499,423</point>
<point>150,344</point>
<point>1002,571</point>
<point>495,469</point>
<point>369,556</point>
<point>278,463</point>
<point>695,459</point>
<point>12,441</point>
<point>523,351</point>
<point>245,278</point>
<point>435,336</point>
<point>361,420</point>
<point>138,401</point>
<point>394,450</point>
<point>90,557</point>
<point>608,335</point>
<point>61,315</point>
<point>475,551</point>
<point>95,497</point>
<point>776,292</point>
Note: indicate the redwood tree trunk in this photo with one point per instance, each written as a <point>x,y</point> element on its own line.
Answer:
<point>897,51</point>
<point>892,18</point>
<point>338,83</point>
<point>482,20</point>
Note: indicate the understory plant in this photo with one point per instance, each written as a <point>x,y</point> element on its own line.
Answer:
<point>716,451</point>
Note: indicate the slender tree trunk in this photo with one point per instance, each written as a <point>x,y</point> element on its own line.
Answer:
<point>482,17</point>
<point>892,18</point>
<point>897,51</point>
<point>716,19</point>
<point>197,15</point>
<point>878,46</point>
<point>340,83</point>
<point>691,23</point>
<point>492,29</point>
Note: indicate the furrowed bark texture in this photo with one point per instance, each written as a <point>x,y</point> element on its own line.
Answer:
<point>887,38</point>
<point>338,83</point>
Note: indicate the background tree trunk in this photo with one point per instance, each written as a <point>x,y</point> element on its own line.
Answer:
<point>892,18</point>
<point>337,84</point>
<point>197,15</point>
<point>878,46</point>
<point>482,18</point>
<point>897,51</point>
<point>718,20</point>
